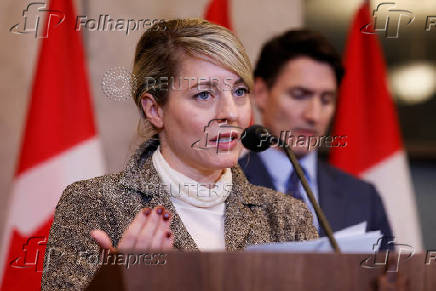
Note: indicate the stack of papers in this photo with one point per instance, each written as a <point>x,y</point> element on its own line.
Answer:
<point>352,239</point>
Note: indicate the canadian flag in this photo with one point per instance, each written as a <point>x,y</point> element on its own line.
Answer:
<point>59,146</point>
<point>366,115</point>
<point>217,12</point>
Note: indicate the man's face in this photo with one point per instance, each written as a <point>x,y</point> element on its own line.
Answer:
<point>302,100</point>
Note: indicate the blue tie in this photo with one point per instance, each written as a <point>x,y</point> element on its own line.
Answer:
<point>293,186</point>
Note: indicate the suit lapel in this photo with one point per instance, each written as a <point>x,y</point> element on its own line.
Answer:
<point>331,198</point>
<point>255,170</point>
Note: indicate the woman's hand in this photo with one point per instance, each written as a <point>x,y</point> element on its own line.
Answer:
<point>149,230</point>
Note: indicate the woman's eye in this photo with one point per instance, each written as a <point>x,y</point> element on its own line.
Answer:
<point>202,95</point>
<point>241,91</point>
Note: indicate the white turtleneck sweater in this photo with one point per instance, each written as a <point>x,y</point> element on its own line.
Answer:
<point>201,209</point>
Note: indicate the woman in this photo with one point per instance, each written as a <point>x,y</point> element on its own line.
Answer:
<point>182,189</point>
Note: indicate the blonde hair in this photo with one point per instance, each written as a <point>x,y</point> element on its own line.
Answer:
<point>157,55</point>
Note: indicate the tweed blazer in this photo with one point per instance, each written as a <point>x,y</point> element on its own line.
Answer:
<point>253,215</point>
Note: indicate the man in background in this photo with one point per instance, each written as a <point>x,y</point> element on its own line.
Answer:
<point>297,77</point>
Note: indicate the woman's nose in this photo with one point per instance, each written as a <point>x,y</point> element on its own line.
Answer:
<point>226,107</point>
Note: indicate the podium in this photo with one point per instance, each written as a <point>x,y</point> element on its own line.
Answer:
<point>256,271</point>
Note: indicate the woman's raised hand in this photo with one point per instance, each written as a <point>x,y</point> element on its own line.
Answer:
<point>150,230</point>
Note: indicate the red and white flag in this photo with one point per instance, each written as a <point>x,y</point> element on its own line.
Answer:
<point>218,12</point>
<point>59,146</point>
<point>366,114</point>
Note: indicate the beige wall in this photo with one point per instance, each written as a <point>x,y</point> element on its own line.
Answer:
<point>253,22</point>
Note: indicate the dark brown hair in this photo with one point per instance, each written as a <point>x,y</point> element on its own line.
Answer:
<point>293,44</point>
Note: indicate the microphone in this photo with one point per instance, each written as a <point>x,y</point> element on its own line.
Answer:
<point>258,138</point>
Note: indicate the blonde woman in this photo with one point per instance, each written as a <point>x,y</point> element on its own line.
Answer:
<point>193,78</point>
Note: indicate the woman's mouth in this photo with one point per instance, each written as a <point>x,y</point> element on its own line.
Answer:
<point>225,141</point>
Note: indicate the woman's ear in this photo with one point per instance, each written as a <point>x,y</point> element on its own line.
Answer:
<point>153,112</point>
<point>260,93</point>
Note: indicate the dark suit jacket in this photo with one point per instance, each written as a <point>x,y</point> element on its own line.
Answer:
<point>253,215</point>
<point>344,199</point>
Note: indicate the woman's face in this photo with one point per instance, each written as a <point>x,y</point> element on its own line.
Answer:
<point>202,99</point>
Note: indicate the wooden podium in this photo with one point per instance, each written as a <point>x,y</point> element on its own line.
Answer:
<point>252,271</point>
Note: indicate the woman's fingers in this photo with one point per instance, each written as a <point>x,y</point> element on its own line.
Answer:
<point>167,242</point>
<point>102,239</point>
<point>161,232</point>
<point>129,237</point>
<point>148,231</point>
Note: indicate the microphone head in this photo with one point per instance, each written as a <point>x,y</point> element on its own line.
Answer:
<point>256,138</point>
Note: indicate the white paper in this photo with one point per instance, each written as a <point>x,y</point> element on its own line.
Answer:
<point>352,239</point>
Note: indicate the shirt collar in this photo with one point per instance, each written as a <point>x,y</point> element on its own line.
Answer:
<point>279,167</point>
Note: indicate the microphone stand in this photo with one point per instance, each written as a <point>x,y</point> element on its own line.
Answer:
<point>322,219</point>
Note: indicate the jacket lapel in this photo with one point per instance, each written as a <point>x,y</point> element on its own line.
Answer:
<point>240,213</point>
<point>140,175</point>
<point>255,170</point>
<point>331,198</point>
